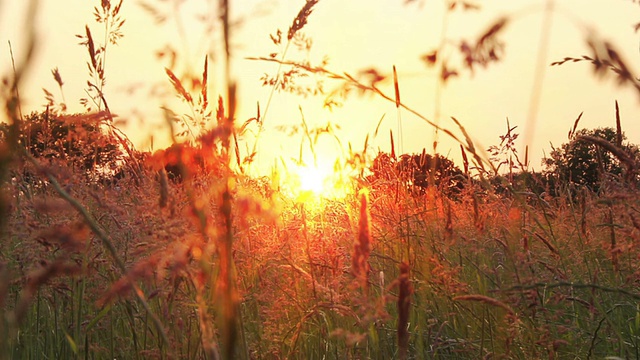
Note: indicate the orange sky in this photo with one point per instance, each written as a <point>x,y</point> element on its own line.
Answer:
<point>354,34</point>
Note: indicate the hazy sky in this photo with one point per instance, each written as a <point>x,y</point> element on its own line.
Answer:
<point>354,35</point>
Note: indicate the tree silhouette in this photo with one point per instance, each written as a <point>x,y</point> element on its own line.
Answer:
<point>74,140</point>
<point>581,162</point>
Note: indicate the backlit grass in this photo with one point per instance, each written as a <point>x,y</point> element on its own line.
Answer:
<point>185,254</point>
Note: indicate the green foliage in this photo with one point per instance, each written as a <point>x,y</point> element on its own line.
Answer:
<point>582,163</point>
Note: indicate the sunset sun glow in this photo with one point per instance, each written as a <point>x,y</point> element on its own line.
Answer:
<point>312,179</point>
<point>312,182</point>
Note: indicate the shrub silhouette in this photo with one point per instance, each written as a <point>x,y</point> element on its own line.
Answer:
<point>420,171</point>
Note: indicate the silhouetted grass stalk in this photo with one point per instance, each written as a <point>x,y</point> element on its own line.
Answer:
<point>404,303</point>
<point>362,246</point>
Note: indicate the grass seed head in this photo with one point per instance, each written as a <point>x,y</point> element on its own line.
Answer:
<point>301,20</point>
<point>362,246</point>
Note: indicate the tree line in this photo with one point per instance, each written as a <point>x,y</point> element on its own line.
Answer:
<point>590,160</point>
<point>585,161</point>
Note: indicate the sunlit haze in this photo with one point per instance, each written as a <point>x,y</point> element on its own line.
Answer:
<point>354,35</point>
<point>319,179</point>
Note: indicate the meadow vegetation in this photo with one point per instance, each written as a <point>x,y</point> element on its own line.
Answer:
<point>109,252</point>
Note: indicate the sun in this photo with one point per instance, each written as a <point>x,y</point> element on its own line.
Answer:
<point>312,179</point>
<point>316,182</point>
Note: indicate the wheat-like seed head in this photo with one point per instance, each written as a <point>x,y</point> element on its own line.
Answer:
<point>301,20</point>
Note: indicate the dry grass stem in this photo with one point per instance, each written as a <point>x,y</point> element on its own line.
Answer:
<point>405,290</point>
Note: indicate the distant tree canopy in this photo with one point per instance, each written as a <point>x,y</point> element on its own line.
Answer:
<point>179,160</point>
<point>77,140</point>
<point>420,171</point>
<point>584,163</point>
<point>185,160</point>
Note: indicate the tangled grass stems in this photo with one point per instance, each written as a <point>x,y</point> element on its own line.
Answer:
<point>288,284</point>
<point>104,238</point>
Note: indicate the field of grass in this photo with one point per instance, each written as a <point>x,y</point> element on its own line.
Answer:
<point>185,256</point>
<point>368,276</point>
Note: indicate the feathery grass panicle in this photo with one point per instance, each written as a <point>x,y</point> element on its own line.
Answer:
<point>618,127</point>
<point>465,160</point>
<point>478,218</point>
<point>572,131</point>
<point>351,82</point>
<point>164,187</point>
<point>362,246</point>
<point>204,100</point>
<point>56,76</point>
<point>604,58</point>
<point>177,85</point>
<point>301,20</point>
<point>91,47</point>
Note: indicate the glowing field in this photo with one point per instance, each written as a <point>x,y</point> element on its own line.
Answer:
<point>208,222</point>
